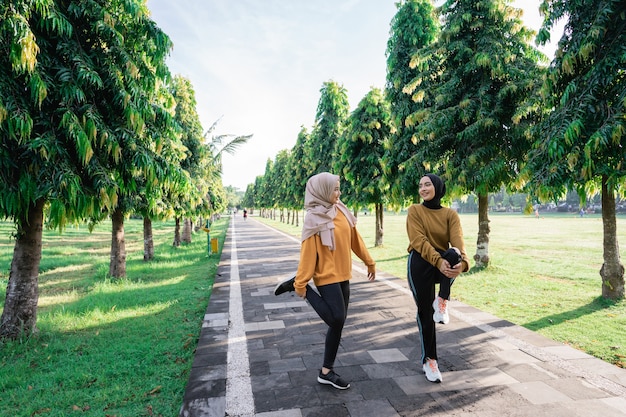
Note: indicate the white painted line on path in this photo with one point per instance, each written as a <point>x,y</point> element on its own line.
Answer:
<point>239,399</point>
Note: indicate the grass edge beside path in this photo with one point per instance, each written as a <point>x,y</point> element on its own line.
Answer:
<point>543,275</point>
<point>109,347</point>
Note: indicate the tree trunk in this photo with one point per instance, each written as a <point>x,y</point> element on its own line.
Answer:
<point>379,224</point>
<point>22,294</point>
<point>482,242</point>
<point>612,270</point>
<point>186,231</point>
<point>148,241</point>
<point>176,242</point>
<point>117,267</point>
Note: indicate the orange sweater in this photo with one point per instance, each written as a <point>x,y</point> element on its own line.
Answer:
<point>328,267</point>
<point>429,230</point>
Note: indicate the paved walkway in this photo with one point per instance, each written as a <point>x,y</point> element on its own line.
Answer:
<point>259,354</point>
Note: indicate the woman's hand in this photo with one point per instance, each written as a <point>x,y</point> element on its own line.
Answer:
<point>449,271</point>
<point>300,292</point>
<point>456,270</point>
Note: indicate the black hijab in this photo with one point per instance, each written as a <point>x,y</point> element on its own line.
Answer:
<point>440,191</point>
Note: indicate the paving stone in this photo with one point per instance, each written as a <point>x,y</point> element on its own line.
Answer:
<point>326,411</point>
<point>566,352</point>
<point>417,405</point>
<point>264,325</point>
<point>356,358</point>
<point>208,373</point>
<point>376,389</point>
<point>516,356</point>
<point>526,372</point>
<point>259,368</point>
<point>296,397</point>
<point>209,359</point>
<point>285,365</point>
<point>617,403</point>
<point>383,371</point>
<point>272,381</point>
<point>302,378</point>
<point>371,408</point>
<point>387,355</point>
<point>206,389</point>
<point>538,392</point>
<point>282,413</point>
<point>204,407</point>
<point>263,354</point>
<point>577,388</point>
<point>586,408</point>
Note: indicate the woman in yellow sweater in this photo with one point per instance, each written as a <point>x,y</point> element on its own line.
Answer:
<point>329,235</point>
<point>436,255</point>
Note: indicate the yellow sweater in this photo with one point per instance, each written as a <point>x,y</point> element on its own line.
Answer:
<point>328,267</point>
<point>429,230</point>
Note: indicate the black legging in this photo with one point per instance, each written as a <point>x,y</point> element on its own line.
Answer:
<point>422,279</point>
<point>331,304</point>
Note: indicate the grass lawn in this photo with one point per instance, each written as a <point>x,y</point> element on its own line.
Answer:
<point>124,348</point>
<point>108,347</point>
<point>544,275</point>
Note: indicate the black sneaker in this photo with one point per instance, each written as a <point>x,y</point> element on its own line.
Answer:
<point>331,378</point>
<point>285,286</point>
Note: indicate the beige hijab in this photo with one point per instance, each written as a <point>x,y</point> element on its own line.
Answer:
<point>320,212</point>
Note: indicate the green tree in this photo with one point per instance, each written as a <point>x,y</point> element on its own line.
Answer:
<point>266,197</point>
<point>205,168</point>
<point>186,200</point>
<point>413,27</point>
<point>298,175</point>
<point>582,143</point>
<point>132,54</point>
<point>76,87</point>
<point>279,181</point>
<point>333,109</point>
<point>250,198</point>
<point>361,153</point>
<point>234,197</point>
<point>208,179</point>
<point>473,132</point>
<point>152,200</point>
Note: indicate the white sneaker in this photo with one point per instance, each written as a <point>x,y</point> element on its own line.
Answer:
<point>432,371</point>
<point>441,311</point>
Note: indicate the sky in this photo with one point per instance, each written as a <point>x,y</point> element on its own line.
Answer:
<point>257,66</point>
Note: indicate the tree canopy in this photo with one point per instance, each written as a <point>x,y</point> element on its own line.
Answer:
<point>413,28</point>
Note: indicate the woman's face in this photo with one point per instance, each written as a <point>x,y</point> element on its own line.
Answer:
<point>334,197</point>
<point>426,189</point>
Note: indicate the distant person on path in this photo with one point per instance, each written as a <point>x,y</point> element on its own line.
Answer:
<point>329,236</point>
<point>245,214</point>
<point>436,255</point>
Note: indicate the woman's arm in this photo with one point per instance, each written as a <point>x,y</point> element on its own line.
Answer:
<point>456,240</point>
<point>360,249</point>
<point>418,240</point>
<point>306,267</point>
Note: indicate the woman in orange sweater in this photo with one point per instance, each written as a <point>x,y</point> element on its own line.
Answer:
<point>329,236</point>
<point>436,255</point>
